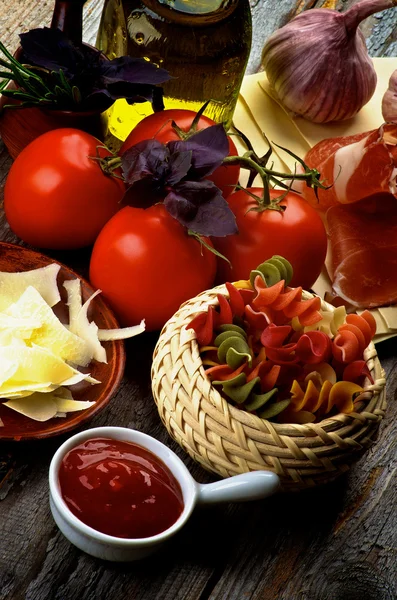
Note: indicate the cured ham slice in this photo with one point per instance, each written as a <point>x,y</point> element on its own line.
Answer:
<point>363,247</point>
<point>356,166</point>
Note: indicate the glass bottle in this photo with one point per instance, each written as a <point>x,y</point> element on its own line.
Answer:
<point>204,45</point>
<point>68,17</point>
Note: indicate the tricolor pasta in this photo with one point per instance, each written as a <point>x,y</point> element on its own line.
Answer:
<point>271,351</point>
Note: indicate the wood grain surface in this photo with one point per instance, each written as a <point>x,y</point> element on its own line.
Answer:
<point>335,543</point>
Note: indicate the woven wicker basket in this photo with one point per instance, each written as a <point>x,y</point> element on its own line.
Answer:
<point>228,441</point>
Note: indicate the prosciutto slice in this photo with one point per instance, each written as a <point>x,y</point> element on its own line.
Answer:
<point>356,166</point>
<point>363,248</point>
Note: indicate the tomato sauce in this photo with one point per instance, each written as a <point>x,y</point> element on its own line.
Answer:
<point>120,488</point>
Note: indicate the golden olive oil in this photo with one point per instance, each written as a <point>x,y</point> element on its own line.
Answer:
<point>203,44</point>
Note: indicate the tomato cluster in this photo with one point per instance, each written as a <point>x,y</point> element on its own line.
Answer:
<point>144,261</point>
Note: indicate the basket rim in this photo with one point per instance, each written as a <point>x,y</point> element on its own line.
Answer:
<point>250,421</point>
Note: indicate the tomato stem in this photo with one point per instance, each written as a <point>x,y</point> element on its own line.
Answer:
<point>108,164</point>
<point>114,163</point>
<point>202,241</point>
<point>184,135</point>
<point>250,161</point>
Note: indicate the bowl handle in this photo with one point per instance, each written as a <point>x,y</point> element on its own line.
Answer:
<point>239,488</point>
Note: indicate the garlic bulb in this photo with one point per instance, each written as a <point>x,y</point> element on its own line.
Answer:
<point>389,101</point>
<point>318,63</point>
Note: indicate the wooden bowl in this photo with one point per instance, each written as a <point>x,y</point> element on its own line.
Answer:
<point>18,427</point>
<point>227,440</point>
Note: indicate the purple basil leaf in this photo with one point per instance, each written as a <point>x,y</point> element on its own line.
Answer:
<point>132,70</point>
<point>208,146</point>
<point>148,158</point>
<point>200,206</point>
<point>179,165</point>
<point>50,49</point>
<point>180,208</point>
<point>142,194</point>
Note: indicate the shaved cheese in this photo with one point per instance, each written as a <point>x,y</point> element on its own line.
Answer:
<point>66,406</point>
<point>8,338</point>
<point>63,392</point>
<point>65,403</point>
<point>38,353</point>
<point>75,302</point>
<point>22,389</point>
<point>42,407</point>
<point>44,280</point>
<point>34,366</point>
<point>21,327</point>
<point>90,379</point>
<point>77,375</point>
<point>121,334</point>
<point>38,407</point>
<point>52,334</point>
<point>7,369</point>
<point>87,330</point>
<point>81,326</point>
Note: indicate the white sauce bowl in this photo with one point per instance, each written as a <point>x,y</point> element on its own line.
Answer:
<point>248,486</point>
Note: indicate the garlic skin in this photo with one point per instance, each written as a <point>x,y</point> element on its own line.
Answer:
<point>389,101</point>
<point>318,64</point>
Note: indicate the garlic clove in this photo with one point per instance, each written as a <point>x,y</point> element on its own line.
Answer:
<point>318,64</point>
<point>389,101</point>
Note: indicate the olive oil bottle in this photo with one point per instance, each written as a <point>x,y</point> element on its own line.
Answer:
<point>203,44</point>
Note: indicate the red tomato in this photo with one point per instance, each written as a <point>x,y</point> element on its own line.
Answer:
<point>56,196</point>
<point>298,234</point>
<point>159,126</point>
<point>146,265</point>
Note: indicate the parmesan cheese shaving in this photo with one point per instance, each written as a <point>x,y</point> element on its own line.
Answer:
<point>44,280</point>
<point>105,335</point>
<point>37,407</point>
<point>42,407</point>
<point>36,365</point>
<point>86,330</point>
<point>74,302</point>
<point>7,370</point>
<point>65,406</point>
<point>52,334</point>
<point>38,353</point>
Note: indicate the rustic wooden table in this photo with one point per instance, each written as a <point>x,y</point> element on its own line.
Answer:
<point>336,543</point>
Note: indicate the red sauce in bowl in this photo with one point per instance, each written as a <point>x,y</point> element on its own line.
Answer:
<point>120,488</point>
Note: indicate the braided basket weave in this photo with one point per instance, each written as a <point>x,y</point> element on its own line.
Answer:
<point>227,440</point>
